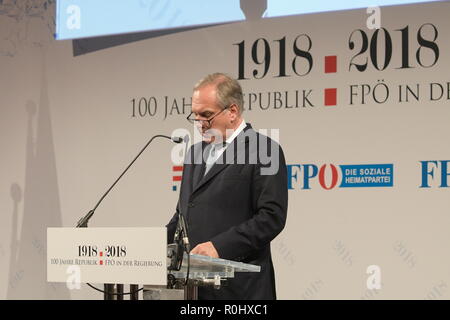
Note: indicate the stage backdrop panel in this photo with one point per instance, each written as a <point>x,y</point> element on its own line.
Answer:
<point>359,100</point>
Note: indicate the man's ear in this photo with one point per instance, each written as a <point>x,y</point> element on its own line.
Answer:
<point>234,111</point>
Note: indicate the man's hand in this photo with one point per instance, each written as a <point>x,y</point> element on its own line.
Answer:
<point>205,249</point>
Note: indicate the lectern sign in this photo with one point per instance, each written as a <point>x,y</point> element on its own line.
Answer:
<point>107,255</point>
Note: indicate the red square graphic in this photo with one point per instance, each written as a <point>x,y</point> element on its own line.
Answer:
<point>330,64</point>
<point>330,96</point>
<point>101,262</point>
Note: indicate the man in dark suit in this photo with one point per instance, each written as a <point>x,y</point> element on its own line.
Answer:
<point>233,192</point>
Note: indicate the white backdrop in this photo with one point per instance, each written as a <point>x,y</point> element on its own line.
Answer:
<point>67,130</point>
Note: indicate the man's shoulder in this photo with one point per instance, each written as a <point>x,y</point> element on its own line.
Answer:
<point>195,153</point>
<point>197,148</point>
<point>261,136</point>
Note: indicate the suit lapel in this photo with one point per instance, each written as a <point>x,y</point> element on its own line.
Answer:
<point>221,162</point>
<point>198,165</point>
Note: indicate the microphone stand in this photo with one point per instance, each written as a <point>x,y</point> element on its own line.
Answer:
<point>83,222</point>
<point>176,251</point>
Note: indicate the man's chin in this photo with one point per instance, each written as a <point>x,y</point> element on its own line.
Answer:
<point>207,138</point>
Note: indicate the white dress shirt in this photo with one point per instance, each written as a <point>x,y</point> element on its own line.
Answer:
<point>217,149</point>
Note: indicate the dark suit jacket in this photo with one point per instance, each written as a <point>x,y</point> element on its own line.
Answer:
<point>237,208</point>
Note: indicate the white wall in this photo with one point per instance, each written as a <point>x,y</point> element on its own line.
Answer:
<point>66,132</point>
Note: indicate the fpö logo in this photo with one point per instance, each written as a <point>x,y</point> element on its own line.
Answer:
<point>435,173</point>
<point>329,176</point>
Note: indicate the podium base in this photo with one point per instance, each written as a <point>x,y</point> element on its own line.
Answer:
<point>162,293</point>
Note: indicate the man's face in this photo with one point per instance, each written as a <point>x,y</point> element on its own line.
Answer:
<point>204,106</point>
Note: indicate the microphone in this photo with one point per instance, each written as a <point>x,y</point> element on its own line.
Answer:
<point>185,244</point>
<point>181,237</point>
<point>177,139</point>
<point>83,222</point>
<point>180,244</point>
<point>184,231</point>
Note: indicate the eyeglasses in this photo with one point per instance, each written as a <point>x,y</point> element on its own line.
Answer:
<point>191,118</point>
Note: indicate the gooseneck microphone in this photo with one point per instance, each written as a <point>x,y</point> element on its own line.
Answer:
<point>83,222</point>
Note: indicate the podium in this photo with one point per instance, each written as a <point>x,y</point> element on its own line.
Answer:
<point>117,256</point>
<point>203,271</point>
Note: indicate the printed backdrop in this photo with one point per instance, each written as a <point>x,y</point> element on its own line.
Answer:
<point>362,114</point>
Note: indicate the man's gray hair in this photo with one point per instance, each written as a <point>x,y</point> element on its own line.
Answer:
<point>229,91</point>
